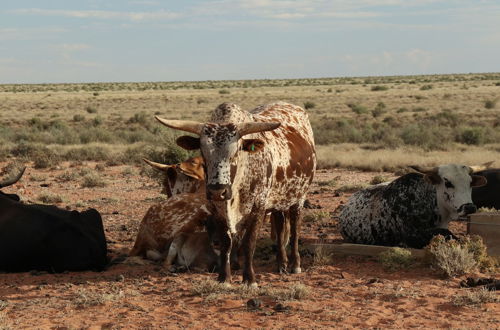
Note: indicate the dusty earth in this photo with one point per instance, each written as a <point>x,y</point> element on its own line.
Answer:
<point>348,292</point>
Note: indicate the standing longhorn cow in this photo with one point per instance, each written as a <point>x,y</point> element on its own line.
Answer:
<point>256,162</point>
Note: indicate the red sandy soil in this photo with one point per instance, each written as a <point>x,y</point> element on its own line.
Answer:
<point>351,292</point>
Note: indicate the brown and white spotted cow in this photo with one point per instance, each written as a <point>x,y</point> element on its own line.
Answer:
<point>256,162</point>
<point>176,228</point>
<point>185,177</point>
<point>189,177</point>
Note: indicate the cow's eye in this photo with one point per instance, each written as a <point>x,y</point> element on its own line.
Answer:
<point>448,184</point>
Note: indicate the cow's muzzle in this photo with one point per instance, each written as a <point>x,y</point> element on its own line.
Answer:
<point>219,192</point>
<point>467,209</point>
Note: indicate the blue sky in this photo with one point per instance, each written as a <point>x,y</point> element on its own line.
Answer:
<point>150,40</point>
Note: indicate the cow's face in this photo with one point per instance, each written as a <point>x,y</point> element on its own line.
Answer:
<point>453,185</point>
<point>221,146</point>
<point>185,177</point>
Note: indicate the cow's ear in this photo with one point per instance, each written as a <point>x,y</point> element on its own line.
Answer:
<point>188,142</point>
<point>432,178</point>
<point>478,181</point>
<point>253,145</point>
<point>195,171</point>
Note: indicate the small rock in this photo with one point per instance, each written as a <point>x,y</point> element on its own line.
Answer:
<point>115,212</point>
<point>120,278</point>
<point>281,308</point>
<point>254,303</point>
<point>374,280</point>
<point>123,228</point>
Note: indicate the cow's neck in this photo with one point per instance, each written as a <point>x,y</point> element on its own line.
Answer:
<point>444,217</point>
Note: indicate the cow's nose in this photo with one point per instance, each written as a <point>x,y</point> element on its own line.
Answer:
<point>218,192</point>
<point>468,208</point>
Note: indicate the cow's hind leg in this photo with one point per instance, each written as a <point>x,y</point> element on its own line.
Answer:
<point>295,222</point>
<point>278,223</point>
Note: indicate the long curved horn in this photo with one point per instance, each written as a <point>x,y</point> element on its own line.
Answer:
<point>425,170</point>
<point>183,125</point>
<point>482,167</point>
<point>251,127</point>
<point>9,182</point>
<point>158,166</point>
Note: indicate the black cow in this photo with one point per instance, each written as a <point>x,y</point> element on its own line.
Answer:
<point>44,237</point>
<point>489,194</point>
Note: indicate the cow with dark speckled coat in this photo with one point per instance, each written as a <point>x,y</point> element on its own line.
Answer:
<point>410,210</point>
<point>256,162</point>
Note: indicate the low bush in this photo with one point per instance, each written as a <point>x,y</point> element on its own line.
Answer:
<point>396,258</point>
<point>378,88</point>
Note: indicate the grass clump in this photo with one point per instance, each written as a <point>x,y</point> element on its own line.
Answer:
<point>396,258</point>
<point>379,110</point>
<point>426,87</point>
<point>211,289</point>
<point>357,108</point>
<point>48,198</point>
<point>476,297</point>
<point>317,216</point>
<point>321,257</point>
<point>87,298</point>
<point>92,180</point>
<point>378,179</point>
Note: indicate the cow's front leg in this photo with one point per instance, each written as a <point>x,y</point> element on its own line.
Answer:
<point>225,254</point>
<point>248,246</point>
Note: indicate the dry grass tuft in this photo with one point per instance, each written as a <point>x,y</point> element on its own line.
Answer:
<point>476,297</point>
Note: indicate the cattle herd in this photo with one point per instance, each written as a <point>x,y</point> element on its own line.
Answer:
<point>253,164</point>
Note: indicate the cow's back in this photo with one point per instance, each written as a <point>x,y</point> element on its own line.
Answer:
<point>390,214</point>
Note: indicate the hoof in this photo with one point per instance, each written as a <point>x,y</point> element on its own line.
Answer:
<point>282,271</point>
<point>253,285</point>
<point>297,270</point>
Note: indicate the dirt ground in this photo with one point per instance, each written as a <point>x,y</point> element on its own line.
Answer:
<point>350,292</point>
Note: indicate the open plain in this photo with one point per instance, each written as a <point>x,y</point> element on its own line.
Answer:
<point>83,143</point>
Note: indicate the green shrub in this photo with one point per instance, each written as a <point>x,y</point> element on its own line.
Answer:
<point>396,258</point>
<point>426,87</point>
<point>91,109</point>
<point>357,108</point>
<point>309,105</point>
<point>379,110</point>
<point>224,91</point>
<point>471,136</point>
<point>452,257</point>
<point>92,180</point>
<point>78,118</point>
<point>378,179</point>
<point>490,104</point>
<point>377,88</point>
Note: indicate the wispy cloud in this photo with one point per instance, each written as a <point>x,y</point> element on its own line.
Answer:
<point>29,33</point>
<point>101,14</point>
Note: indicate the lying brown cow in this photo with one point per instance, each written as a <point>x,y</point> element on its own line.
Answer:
<point>176,228</point>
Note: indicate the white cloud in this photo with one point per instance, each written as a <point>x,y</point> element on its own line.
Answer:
<point>101,14</point>
<point>29,33</point>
